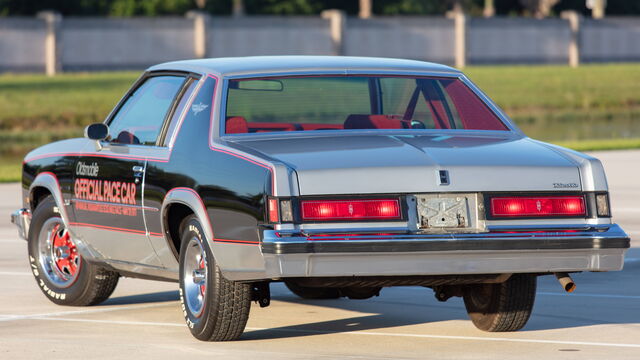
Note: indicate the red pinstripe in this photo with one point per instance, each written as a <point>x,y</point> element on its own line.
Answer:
<point>267,166</point>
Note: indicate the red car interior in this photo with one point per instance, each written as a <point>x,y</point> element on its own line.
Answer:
<point>451,104</point>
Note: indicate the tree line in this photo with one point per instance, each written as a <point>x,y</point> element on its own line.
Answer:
<point>304,7</point>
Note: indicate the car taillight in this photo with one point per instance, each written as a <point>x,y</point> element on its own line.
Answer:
<point>370,209</point>
<point>538,206</point>
<point>274,215</point>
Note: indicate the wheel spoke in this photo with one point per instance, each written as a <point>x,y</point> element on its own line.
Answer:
<point>58,253</point>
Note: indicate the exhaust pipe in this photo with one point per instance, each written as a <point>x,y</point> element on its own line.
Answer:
<point>565,281</point>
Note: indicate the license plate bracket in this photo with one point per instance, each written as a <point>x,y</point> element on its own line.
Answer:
<point>448,212</point>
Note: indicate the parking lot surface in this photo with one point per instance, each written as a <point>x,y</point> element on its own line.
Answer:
<point>142,319</point>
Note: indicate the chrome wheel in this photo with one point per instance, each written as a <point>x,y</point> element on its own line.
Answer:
<point>58,254</point>
<point>195,277</point>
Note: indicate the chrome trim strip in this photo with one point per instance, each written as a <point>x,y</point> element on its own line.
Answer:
<point>274,238</point>
<point>526,230</point>
<point>338,71</point>
<point>550,227</point>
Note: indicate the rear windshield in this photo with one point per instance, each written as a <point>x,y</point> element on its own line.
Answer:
<point>354,102</point>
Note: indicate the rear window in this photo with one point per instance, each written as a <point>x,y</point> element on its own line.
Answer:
<point>354,102</point>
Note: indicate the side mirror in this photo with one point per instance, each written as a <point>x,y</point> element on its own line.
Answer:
<point>97,132</point>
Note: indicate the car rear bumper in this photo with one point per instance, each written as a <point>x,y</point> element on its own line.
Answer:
<point>503,250</point>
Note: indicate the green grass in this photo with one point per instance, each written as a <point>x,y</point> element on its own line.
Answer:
<point>10,169</point>
<point>36,102</point>
<point>35,110</point>
<point>558,103</point>
<point>599,145</point>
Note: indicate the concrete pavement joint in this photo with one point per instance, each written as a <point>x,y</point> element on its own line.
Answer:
<point>453,337</point>
<point>15,273</point>
<point>114,322</point>
<point>363,333</point>
<point>8,317</point>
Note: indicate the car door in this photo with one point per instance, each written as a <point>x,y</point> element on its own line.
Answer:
<point>109,180</point>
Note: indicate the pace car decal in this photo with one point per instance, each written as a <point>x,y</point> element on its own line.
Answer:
<point>126,210</point>
<point>87,170</point>
<point>118,192</point>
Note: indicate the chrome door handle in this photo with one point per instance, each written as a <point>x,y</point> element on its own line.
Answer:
<point>138,172</point>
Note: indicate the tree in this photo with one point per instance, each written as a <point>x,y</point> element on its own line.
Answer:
<point>539,8</point>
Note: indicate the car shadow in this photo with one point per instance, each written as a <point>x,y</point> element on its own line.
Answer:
<point>164,296</point>
<point>404,306</point>
<point>407,306</point>
<point>386,311</point>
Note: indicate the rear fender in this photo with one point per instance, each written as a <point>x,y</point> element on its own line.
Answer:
<point>236,261</point>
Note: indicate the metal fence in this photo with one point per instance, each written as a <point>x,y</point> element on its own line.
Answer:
<point>51,43</point>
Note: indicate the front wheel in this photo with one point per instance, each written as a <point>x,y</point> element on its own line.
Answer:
<point>61,273</point>
<point>501,307</point>
<point>214,308</point>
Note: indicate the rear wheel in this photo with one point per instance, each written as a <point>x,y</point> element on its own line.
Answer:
<point>214,308</point>
<point>59,269</point>
<point>501,307</point>
<point>312,293</point>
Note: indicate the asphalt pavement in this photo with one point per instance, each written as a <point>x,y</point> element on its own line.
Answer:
<point>142,319</point>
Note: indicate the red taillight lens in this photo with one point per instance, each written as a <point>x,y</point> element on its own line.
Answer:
<point>539,206</point>
<point>327,210</point>
<point>273,211</point>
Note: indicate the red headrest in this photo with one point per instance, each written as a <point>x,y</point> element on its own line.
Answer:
<point>357,121</point>
<point>236,125</point>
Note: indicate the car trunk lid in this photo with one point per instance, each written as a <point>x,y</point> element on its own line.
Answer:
<point>366,164</point>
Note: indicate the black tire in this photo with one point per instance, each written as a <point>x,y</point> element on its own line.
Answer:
<point>224,304</point>
<point>85,284</point>
<point>312,293</point>
<point>501,307</point>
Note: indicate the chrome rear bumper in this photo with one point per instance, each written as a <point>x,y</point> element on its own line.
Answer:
<point>531,250</point>
<point>22,218</point>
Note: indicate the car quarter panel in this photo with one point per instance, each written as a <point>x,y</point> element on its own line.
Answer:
<point>226,183</point>
<point>591,170</point>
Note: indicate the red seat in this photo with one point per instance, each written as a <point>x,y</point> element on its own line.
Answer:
<point>236,125</point>
<point>270,126</point>
<point>358,121</point>
<point>309,126</point>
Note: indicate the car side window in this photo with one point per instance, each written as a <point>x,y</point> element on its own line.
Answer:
<point>139,120</point>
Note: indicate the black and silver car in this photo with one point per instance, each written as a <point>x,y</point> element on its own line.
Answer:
<point>336,175</point>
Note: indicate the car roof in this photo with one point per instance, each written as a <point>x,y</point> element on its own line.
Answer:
<point>249,65</point>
